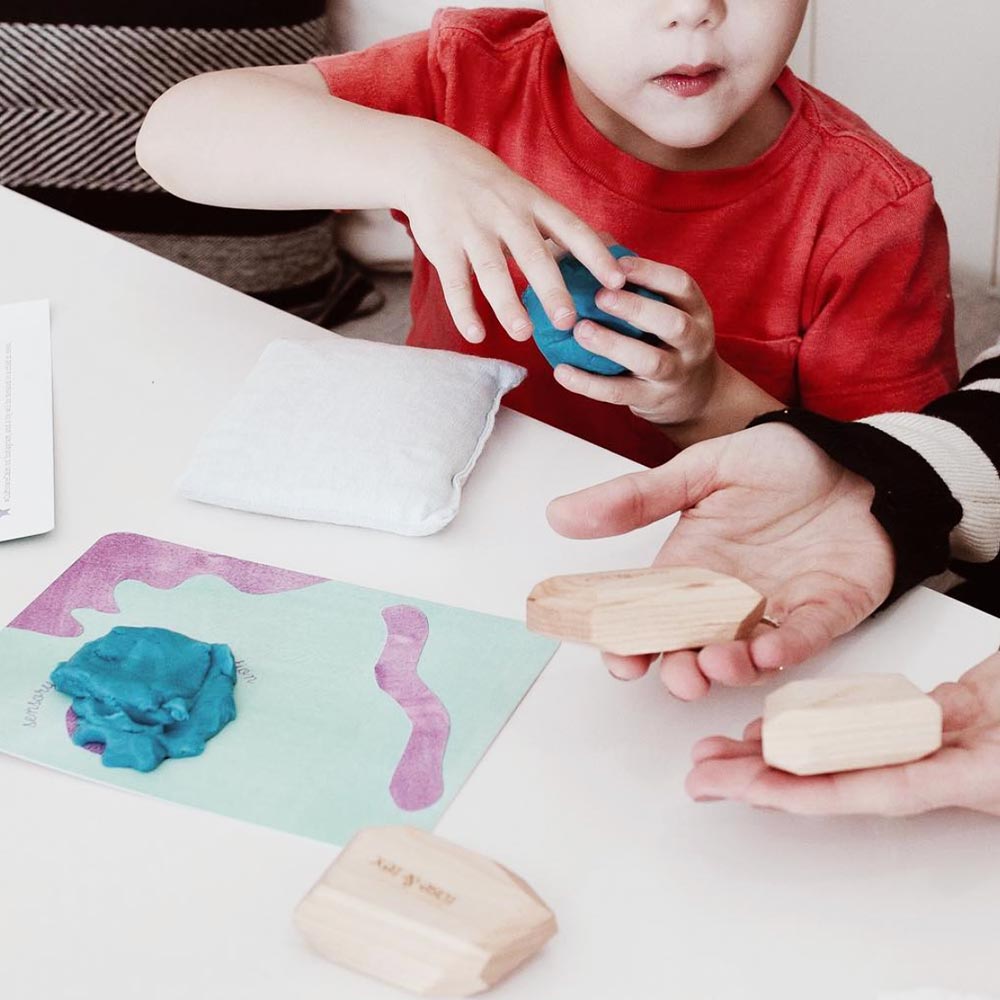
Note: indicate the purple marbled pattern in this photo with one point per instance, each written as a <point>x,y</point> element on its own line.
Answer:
<point>71,723</point>
<point>419,779</point>
<point>90,582</point>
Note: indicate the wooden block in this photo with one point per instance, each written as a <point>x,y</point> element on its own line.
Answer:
<point>654,610</point>
<point>849,723</point>
<point>419,912</point>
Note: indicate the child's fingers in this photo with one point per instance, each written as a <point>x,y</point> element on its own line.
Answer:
<point>607,388</point>
<point>456,284</point>
<point>675,284</point>
<point>535,259</point>
<point>673,326</point>
<point>645,361</point>
<point>491,269</point>
<point>559,223</point>
<point>622,390</point>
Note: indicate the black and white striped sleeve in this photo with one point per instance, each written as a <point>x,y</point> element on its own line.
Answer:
<point>936,476</point>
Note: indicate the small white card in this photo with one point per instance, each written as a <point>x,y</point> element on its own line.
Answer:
<point>27,488</point>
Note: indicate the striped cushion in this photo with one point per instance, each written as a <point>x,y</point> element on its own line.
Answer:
<point>76,80</point>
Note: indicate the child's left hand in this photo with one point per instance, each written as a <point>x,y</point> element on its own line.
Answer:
<point>671,384</point>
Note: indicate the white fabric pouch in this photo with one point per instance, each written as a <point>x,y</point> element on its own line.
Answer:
<point>352,432</point>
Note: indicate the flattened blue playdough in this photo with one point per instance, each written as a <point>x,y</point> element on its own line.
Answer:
<point>148,694</point>
<point>558,346</point>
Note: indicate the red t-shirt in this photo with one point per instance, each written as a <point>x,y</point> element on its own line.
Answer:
<point>825,261</point>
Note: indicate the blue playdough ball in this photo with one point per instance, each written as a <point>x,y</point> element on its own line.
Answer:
<point>558,346</point>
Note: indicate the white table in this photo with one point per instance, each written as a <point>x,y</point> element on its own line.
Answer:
<point>582,793</point>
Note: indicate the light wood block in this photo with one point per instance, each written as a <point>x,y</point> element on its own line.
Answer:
<point>849,723</point>
<point>419,912</point>
<point>656,610</point>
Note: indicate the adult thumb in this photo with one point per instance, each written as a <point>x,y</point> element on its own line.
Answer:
<point>637,499</point>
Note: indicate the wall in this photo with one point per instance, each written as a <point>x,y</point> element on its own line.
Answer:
<point>926,74</point>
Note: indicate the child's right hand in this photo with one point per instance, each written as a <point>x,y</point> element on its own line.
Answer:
<point>468,211</point>
<point>965,772</point>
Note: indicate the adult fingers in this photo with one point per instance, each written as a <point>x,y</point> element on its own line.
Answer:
<point>803,632</point>
<point>728,663</point>
<point>689,674</point>
<point>681,676</point>
<point>888,791</point>
<point>960,708</point>
<point>722,748</point>
<point>637,499</point>
<point>731,663</point>
<point>627,668</point>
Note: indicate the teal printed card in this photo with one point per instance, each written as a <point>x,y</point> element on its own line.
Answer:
<point>354,707</point>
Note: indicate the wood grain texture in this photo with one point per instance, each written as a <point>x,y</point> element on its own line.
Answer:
<point>834,724</point>
<point>416,911</point>
<point>645,610</point>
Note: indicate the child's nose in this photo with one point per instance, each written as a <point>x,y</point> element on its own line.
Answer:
<point>693,13</point>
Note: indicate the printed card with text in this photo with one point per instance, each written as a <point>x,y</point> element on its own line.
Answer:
<point>354,707</point>
<point>27,504</point>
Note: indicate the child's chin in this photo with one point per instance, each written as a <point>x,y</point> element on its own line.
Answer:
<point>688,127</point>
<point>695,135</point>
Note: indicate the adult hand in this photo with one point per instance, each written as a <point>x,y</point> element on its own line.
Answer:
<point>769,507</point>
<point>965,772</point>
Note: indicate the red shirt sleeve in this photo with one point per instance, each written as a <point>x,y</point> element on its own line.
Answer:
<point>398,75</point>
<point>882,337</point>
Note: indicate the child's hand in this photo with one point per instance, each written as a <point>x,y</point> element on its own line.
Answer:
<point>669,384</point>
<point>964,773</point>
<point>468,210</point>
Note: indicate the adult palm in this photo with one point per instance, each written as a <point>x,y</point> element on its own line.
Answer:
<point>965,772</point>
<point>765,505</point>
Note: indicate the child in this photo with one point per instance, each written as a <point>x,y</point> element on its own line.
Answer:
<point>804,260</point>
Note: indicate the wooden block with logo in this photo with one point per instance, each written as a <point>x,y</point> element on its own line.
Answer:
<point>416,911</point>
<point>849,723</point>
<point>655,610</point>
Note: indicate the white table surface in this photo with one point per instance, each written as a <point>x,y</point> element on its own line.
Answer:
<point>107,895</point>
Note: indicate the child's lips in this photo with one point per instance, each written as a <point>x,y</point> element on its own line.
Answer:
<point>690,81</point>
